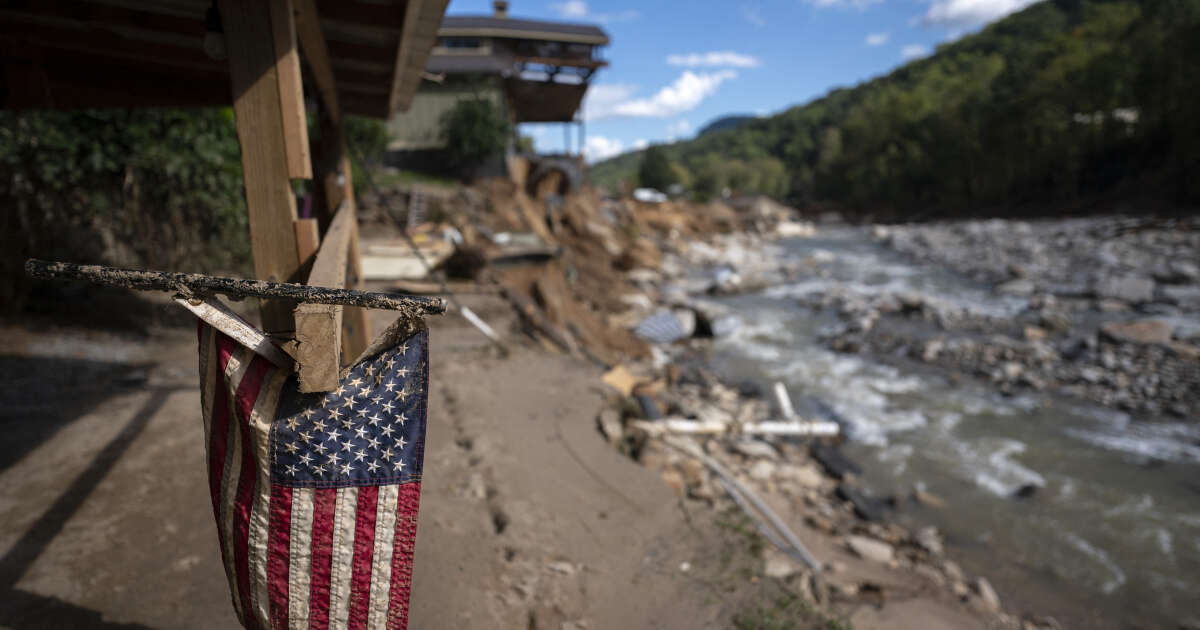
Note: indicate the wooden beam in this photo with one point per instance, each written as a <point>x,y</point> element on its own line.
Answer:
<point>308,241</point>
<point>319,326</point>
<point>316,54</point>
<point>291,89</point>
<point>356,332</point>
<point>253,71</point>
<point>422,18</point>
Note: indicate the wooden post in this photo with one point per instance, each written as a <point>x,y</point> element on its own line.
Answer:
<point>254,69</point>
<point>291,89</point>
<point>319,326</point>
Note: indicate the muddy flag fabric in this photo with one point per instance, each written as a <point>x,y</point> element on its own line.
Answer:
<point>316,495</point>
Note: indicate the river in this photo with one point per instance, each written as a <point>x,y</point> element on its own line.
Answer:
<point>1110,538</point>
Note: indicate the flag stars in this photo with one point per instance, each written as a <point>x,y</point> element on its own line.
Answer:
<point>403,372</point>
<point>377,399</point>
<point>364,392</point>
<point>373,443</point>
<point>308,414</point>
<point>292,470</point>
<point>333,435</point>
<point>305,437</point>
<point>387,454</point>
<point>349,403</point>
<point>363,412</point>
<point>375,420</point>
<point>388,406</point>
<point>401,418</point>
<point>293,423</point>
<point>306,459</point>
<point>387,430</point>
<point>347,469</point>
<point>334,414</point>
<point>356,382</point>
<point>320,448</point>
<point>333,459</point>
<point>398,465</point>
<point>360,455</point>
<point>292,447</point>
<point>372,466</point>
<point>360,432</point>
<point>319,424</point>
<point>390,385</point>
<point>402,394</point>
<point>370,370</point>
<point>347,445</point>
<point>401,443</point>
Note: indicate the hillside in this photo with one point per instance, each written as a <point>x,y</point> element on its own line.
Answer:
<point>1065,101</point>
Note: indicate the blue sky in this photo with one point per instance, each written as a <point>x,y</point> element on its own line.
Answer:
<point>675,66</point>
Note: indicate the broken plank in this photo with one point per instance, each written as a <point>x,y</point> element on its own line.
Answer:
<point>220,317</point>
<point>319,326</point>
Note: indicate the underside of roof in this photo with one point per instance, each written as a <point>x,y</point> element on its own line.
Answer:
<point>542,101</point>
<point>68,54</point>
<point>491,26</point>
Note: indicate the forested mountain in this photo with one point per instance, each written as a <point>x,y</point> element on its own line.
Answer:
<point>725,122</point>
<point>1067,100</point>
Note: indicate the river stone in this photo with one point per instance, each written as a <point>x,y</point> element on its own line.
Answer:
<point>1018,287</point>
<point>986,593</point>
<point>778,565</point>
<point>755,449</point>
<point>1144,331</point>
<point>871,549</point>
<point>1131,288</point>
<point>806,476</point>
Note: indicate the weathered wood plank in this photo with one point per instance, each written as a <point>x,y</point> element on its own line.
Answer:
<point>259,116</point>
<point>319,326</point>
<point>220,317</point>
<point>421,21</point>
<point>291,89</point>
<point>356,332</point>
<point>316,55</point>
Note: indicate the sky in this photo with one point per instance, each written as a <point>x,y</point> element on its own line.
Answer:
<point>676,66</point>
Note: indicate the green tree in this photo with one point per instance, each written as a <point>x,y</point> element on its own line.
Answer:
<point>655,170</point>
<point>474,130</point>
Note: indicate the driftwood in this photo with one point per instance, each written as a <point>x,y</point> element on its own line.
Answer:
<point>197,285</point>
<point>717,427</point>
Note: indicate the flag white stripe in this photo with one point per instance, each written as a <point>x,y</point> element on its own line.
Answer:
<point>344,517</point>
<point>260,510</point>
<point>381,560</point>
<point>239,362</point>
<point>300,556</point>
<point>208,372</point>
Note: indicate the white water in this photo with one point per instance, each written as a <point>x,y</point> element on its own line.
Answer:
<point>1113,535</point>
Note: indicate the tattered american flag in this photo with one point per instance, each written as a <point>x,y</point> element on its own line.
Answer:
<point>315,495</point>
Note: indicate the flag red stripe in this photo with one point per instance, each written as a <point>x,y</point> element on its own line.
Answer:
<point>277,554</point>
<point>402,554</point>
<point>324,501</point>
<point>219,429</point>
<point>247,395</point>
<point>364,550</point>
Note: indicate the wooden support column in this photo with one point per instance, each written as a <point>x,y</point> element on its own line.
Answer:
<point>259,77</point>
<point>319,349</point>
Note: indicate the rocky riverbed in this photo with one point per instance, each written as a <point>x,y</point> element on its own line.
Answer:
<point>1042,378</point>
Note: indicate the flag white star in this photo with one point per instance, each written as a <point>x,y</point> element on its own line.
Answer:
<point>305,437</point>
<point>308,413</point>
<point>292,470</point>
<point>387,454</point>
<point>364,392</point>
<point>335,414</point>
<point>319,424</point>
<point>398,465</point>
<point>361,432</point>
<point>291,447</point>
<point>319,469</point>
<point>386,430</point>
<point>390,385</point>
<point>373,443</point>
<point>372,466</point>
<point>403,372</point>
<point>375,420</point>
<point>363,412</point>
<point>376,399</point>
<point>400,442</point>
<point>320,448</point>
<point>388,406</point>
<point>333,434</point>
<point>347,423</point>
<point>401,418</point>
<point>341,390</point>
<point>349,403</point>
<point>293,422</point>
<point>346,469</point>
<point>305,459</point>
<point>356,382</point>
<point>390,362</point>
<point>370,370</point>
<point>333,459</point>
<point>402,394</point>
<point>347,445</point>
<point>403,348</point>
<point>359,455</point>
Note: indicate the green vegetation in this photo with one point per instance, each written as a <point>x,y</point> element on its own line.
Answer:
<point>474,129</point>
<point>153,188</point>
<point>1063,102</point>
<point>655,170</point>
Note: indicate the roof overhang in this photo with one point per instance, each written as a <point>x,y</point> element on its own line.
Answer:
<point>144,53</point>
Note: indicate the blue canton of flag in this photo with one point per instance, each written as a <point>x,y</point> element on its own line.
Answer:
<point>369,431</point>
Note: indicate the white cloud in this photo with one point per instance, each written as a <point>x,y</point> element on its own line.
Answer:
<point>912,51</point>
<point>751,14</point>
<point>718,58</point>
<point>682,95</point>
<point>598,148</point>
<point>878,39</point>
<point>968,13</point>
<point>842,4</point>
<point>578,10</point>
<point>640,143</point>
<point>678,128</point>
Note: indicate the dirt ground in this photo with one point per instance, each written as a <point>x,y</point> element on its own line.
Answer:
<point>528,517</point>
